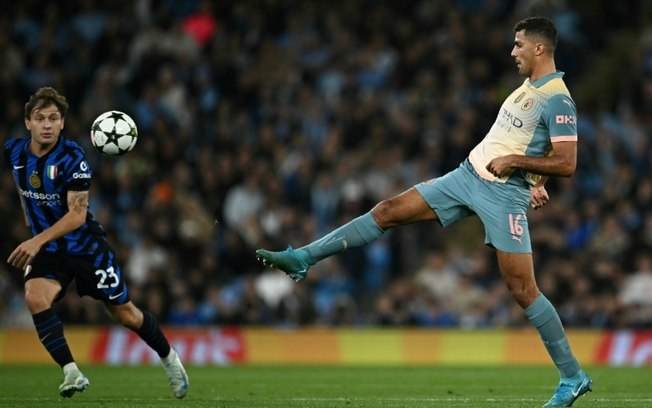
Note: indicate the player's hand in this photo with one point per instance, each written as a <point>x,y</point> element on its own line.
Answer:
<point>24,253</point>
<point>538,197</point>
<point>500,166</point>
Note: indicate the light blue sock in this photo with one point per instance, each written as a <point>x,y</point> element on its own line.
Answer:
<point>354,234</point>
<point>544,317</point>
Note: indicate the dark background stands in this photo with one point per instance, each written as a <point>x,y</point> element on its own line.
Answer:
<point>282,119</point>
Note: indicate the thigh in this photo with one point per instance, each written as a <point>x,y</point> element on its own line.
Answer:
<point>406,208</point>
<point>100,277</point>
<point>503,212</point>
<point>49,267</point>
<point>449,196</point>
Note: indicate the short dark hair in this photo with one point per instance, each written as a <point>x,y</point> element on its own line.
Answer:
<point>540,27</point>
<point>44,97</point>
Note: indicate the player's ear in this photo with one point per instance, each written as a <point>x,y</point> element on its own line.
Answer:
<point>27,123</point>
<point>63,122</point>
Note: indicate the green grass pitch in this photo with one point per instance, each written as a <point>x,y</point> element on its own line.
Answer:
<point>321,387</point>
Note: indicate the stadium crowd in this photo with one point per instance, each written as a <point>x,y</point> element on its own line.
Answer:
<point>267,123</point>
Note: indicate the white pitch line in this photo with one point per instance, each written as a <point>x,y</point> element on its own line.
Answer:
<point>453,399</point>
<point>341,399</point>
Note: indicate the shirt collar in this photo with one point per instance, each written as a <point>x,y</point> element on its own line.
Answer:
<point>544,79</point>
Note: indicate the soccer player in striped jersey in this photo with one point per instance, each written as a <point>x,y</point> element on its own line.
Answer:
<point>533,137</point>
<point>53,181</point>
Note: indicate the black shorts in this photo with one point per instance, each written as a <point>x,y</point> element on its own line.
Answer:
<point>97,275</point>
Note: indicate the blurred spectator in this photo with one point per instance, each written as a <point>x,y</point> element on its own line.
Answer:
<point>201,24</point>
<point>438,278</point>
<point>635,294</point>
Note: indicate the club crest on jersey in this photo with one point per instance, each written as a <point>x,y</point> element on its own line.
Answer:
<point>52,172</point>
<point>518,98</point>
<point>34,180</point>
<point>527,104</point>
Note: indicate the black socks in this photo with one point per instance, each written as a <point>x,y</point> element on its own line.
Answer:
<point>50,332</point>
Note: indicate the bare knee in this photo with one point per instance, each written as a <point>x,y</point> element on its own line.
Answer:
<point>40,293</point>
<point>524,294</point>
<point>382,213</point>
<point>36,302</point>
<point>518,273</point>
<point>127,315</point>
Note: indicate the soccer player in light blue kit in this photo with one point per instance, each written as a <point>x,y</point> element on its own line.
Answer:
<point>533,137</point>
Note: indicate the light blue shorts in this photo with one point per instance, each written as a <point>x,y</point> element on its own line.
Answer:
<point>501,207</point>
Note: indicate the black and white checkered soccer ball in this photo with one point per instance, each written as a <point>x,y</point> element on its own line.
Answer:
<point>114,133</point>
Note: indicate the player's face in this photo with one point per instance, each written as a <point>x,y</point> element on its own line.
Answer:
<point>524,53</point>
<point>45,125</point>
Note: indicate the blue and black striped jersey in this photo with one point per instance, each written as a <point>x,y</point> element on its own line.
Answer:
<point>43,184</point>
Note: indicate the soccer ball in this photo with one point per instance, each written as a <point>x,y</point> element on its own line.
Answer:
<point>114,133</point>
